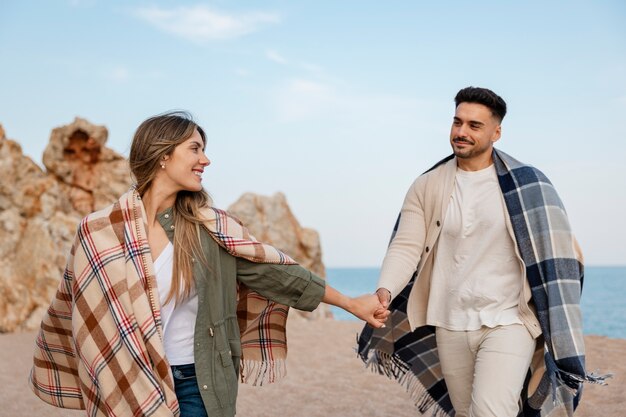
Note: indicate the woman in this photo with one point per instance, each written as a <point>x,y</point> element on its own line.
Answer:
<point>147,318</point>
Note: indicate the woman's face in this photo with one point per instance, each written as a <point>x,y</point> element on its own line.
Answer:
<point>184,167</point>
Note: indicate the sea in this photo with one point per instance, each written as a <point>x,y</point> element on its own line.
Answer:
<point>603,301</point>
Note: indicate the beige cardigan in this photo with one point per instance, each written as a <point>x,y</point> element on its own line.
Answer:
<point>415,244</point>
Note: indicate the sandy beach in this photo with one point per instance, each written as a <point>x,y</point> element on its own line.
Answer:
<point>324,379</point>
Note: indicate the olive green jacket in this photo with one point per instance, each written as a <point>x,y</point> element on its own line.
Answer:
<point>217,349</point>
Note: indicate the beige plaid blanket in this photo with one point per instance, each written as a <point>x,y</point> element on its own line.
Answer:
<point>100,345</point>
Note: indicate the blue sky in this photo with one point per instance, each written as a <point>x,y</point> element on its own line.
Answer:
<point>338,104</point>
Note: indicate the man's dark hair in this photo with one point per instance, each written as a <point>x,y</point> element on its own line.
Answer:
<point>483,96</point>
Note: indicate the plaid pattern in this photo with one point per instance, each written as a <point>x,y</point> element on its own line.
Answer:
<point>554,269</point>
<point>262,322</point>
<point>263,338</point>
<point>409,357</point>
<point>230,233</point>
<point>100,346</point>
<point>555,273</point>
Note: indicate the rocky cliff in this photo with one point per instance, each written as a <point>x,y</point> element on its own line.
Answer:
<point>270,219</point>
<point>89,174</point>
<point>39,212</point>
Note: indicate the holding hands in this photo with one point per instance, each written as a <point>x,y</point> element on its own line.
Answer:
<point>368,307</point>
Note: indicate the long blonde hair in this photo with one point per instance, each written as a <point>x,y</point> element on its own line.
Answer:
<point>155,138</point>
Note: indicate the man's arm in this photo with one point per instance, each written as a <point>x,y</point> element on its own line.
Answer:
<point>405,250</point>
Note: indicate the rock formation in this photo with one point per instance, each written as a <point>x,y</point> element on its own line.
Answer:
<point>34,233</point>
<point>270,220</point>
<point>39,212</point>
<point>91,175</point>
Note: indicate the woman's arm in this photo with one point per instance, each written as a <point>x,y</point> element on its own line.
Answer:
<point>297,287</point>
<point>366,307</point>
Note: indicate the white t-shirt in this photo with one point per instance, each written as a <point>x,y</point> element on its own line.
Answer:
<point>178,322</point>
<point>477,277</point>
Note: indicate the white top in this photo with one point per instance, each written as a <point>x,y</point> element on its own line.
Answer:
<point>476,278</point>
<point>178,322</point>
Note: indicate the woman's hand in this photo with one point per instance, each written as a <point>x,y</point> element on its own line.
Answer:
<point>368,308</point>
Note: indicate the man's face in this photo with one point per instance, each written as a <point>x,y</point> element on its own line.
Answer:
<point>474,130</point>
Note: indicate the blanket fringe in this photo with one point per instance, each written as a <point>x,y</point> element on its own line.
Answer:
<point>594,378</point>
<point>573,381</point>
<point>262,372</point>
<point>394,368</point>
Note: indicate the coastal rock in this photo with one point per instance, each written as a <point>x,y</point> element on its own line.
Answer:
<point>28,203</point>
<point>90,174</point>
<point>270,220</point>
<point>39,212</point>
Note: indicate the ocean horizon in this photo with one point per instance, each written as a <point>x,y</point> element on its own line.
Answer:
<point>602,303</point>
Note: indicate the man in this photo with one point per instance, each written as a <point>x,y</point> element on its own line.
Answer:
<point>496,283</point>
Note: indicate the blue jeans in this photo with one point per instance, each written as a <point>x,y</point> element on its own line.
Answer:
<point>187,392</point>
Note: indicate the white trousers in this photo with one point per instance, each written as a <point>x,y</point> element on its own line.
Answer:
<point>485,369</point>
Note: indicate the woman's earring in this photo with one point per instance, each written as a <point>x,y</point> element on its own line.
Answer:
<point>163,166</point>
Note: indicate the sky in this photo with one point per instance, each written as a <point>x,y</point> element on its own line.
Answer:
<point>337,104</point>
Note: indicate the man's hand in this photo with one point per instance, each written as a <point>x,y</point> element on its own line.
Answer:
<point>384,296</point>
<point>366,307</point>
<point>369,309</point>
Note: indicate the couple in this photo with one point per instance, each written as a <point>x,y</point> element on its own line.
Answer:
<point>167,300</point>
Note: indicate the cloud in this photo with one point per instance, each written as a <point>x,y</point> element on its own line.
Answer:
<point>300,99</point>
<point>242,72</point>
<point>276,57</point>
<point>117,74</point>
<point>82,3</point>
<point>311,67</point>
<point>123,74</point>
<point>202,24</point>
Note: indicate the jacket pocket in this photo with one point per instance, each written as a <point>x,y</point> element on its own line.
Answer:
<point>224,375</point>
<point>235,349</point>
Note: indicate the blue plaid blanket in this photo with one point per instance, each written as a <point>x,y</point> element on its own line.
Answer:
<point>547,247</point>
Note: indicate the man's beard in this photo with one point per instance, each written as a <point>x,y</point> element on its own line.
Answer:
<point>462,153</point>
